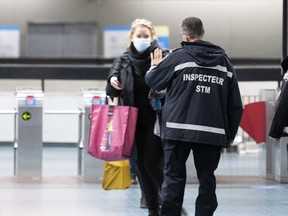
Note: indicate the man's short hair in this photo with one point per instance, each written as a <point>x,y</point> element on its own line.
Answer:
<point>192,26</point>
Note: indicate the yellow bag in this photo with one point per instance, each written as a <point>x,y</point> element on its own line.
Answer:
<point>116,175</point>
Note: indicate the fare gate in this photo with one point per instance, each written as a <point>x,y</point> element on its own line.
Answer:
<point>273,155</point>
<point>28,146</point>
<point>91,168</point>
<point>281,162</point>
<point>266,155</point>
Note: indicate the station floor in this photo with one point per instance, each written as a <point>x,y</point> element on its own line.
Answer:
<point>241,191</point>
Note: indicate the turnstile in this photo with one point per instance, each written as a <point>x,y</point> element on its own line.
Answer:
<point>28,152</point>
<point>266,150</point>
<point>91,168</point>
<point>281,160</point>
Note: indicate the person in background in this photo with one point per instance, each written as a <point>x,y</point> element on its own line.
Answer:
<point>202,113</point>
<point>279,126</point>
<point>126,81</point>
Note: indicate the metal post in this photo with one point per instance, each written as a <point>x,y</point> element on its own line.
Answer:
<point>92,168</point>
<point>28,143</point>
<point>281,163</point>
<point>266,153</point>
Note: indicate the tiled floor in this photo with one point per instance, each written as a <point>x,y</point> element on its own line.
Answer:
<point>241,192</point>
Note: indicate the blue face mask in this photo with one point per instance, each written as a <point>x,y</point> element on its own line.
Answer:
<point>141,44</point>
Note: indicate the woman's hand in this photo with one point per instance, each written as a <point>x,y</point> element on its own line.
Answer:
<point>156,56</point>
<point>115,83</point>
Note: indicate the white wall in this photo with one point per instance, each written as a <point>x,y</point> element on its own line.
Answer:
<point>52,85</point>
<point>245,28</point>
<point>250,90</point>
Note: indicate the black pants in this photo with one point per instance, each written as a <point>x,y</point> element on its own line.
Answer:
<point>206,159</point>
<point>150,163</point>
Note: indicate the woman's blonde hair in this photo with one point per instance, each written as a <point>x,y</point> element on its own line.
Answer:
<point>141,22</point>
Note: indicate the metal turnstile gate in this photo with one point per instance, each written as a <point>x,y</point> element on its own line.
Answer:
<point>91,168</point>
<point>28,152</point>
<point>281,160</point>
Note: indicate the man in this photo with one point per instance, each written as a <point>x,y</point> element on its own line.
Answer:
<point>202,113</point>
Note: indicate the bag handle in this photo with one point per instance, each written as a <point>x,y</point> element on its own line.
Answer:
<point>112,105</point>
<point>114,102</point>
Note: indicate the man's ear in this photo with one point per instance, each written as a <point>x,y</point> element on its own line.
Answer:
<point>186,38</point>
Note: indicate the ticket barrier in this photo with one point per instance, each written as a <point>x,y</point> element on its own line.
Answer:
<point>28,145</point>
<point>281,160</point>
<point>273,157</point>
<point>279,151</point>
<point>90,169</point>
<point>266,150</point>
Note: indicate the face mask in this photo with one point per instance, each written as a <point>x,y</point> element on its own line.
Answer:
<point>141,44</point>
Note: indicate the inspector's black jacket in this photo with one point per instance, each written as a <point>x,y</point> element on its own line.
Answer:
<point>203,102</point>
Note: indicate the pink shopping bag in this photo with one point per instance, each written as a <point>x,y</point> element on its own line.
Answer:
<point>112,131</point>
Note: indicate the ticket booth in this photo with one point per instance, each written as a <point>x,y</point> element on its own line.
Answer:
<point>28,152</point>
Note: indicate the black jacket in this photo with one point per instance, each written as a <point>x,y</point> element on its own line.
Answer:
<point>124,67</point>
<point>203,102</point>
<point>279,126</point>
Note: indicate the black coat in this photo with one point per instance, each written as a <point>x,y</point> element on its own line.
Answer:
<point>279,126</point>
<point>203,102</point>
<point>124,67</point>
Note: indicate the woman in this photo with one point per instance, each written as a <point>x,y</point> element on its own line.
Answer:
<point>126,81</point>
